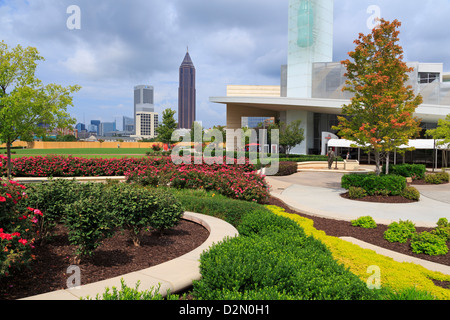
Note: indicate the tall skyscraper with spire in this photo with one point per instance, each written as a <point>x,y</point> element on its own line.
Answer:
<point>186,94</point>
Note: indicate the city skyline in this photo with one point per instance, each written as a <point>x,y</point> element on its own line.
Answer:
<point>119,45</point>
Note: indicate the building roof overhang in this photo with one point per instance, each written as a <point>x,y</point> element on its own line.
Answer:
<point>426,112</point>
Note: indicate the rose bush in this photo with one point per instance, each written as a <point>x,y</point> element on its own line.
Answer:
<point>234,180</point>
<point>17,227</point>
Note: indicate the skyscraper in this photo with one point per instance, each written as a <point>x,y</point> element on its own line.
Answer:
<point>186,94</point>
<point>145,117</point>
<point>143,101</point>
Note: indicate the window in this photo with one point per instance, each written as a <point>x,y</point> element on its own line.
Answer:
<point>429,77</point>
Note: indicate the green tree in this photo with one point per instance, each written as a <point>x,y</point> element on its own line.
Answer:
<point>291,135</point>
<point>380,115</point>
<point>27,107</point>
<point>168,126</point>
<point>442,132</point>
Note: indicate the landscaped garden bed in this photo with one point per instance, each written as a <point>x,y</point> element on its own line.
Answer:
<point>197,195</point>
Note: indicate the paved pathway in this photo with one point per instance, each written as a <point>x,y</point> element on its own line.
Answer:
<point>318,193</point>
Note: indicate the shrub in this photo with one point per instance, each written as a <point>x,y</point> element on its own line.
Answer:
<point>89,222</point>
<point>127,293</point>
<point>274,259</point>
<point>400,231</point>
<point>156,147</point>
<point>437,178</point>
<point>131,208</point>
<point>51,197</point>
<point>428,243</point>
<point>213,204</point>
<point>366,222</point>
<point>442,229</point>
<point>373,184</point>
<point>286,168</point>
<point>411,193</point>
<point>276,265</point>
<point>17,227</point>
<point>414,171</point>
<point>168,212</point>
<point>356,193</point>
<point>262,221</point>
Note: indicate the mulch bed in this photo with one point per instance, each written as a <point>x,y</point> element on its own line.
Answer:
<point>116,256</point>
<point>338,228</point>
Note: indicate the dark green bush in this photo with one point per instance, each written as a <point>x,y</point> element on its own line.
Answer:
<point>262,221</point>
<point>428,243</point>
<point>374,185</point>
<point>276,265</point>
<point>414,171</point>
<point>213,204</point>
<point>136,209</point>
<point>274,259</point>
<point>400,231</point>
<point>286,168</point>
<point>51,197</point>
<point>89,224</point>
<point>366,222</point>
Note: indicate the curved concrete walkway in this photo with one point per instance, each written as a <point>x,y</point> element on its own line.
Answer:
<point>318,194</point>
<point>175,275</point>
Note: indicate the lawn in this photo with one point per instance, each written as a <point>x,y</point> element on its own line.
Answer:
<point>82,152</point>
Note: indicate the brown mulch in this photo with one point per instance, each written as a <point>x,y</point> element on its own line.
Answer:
<point>116,256</point>
<point>338,228</point>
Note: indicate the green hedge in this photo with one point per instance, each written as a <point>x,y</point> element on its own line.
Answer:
<point>274,259</point>
<point>414,171</point>
<point>286,168</point>
<point>375,185</point>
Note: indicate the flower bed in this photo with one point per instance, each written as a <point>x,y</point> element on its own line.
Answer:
<point>18,227</point>
<point>237,181</point>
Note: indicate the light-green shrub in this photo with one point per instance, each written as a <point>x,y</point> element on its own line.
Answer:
<point>400,231</point>
<point>366,222</point>
<point>428,243</point>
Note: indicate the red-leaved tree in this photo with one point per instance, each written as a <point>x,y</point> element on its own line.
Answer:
<point>380,116</point>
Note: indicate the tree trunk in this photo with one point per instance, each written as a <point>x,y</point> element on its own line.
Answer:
<point>387,163</point>
<point>8,151</point>
<point>377,162</point>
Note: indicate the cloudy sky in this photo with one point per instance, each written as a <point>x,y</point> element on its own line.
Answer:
<point>123,43</point>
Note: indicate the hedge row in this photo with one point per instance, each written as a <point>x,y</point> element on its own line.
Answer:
<point>274,259</point>
<point>414,171</point>
<point>375,185</point>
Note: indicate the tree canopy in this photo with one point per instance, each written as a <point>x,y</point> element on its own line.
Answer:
<point>380,115</point>
<point>27,107</point>
<point>168,126</point>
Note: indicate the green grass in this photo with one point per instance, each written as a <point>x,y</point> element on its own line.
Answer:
<point>82,152</point>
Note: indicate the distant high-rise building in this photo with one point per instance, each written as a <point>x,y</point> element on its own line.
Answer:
<point>97,124</point>
<point>107,128</point>
<point>128,124</point>
<point>186,94</point>
<point>143,101</point>
<point>145,118</point>
<point>80,127</point>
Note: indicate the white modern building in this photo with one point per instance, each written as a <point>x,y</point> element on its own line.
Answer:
<point>145,117</point>
<point>311,83</point>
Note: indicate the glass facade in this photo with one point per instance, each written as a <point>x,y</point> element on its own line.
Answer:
<point>328,80</point>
